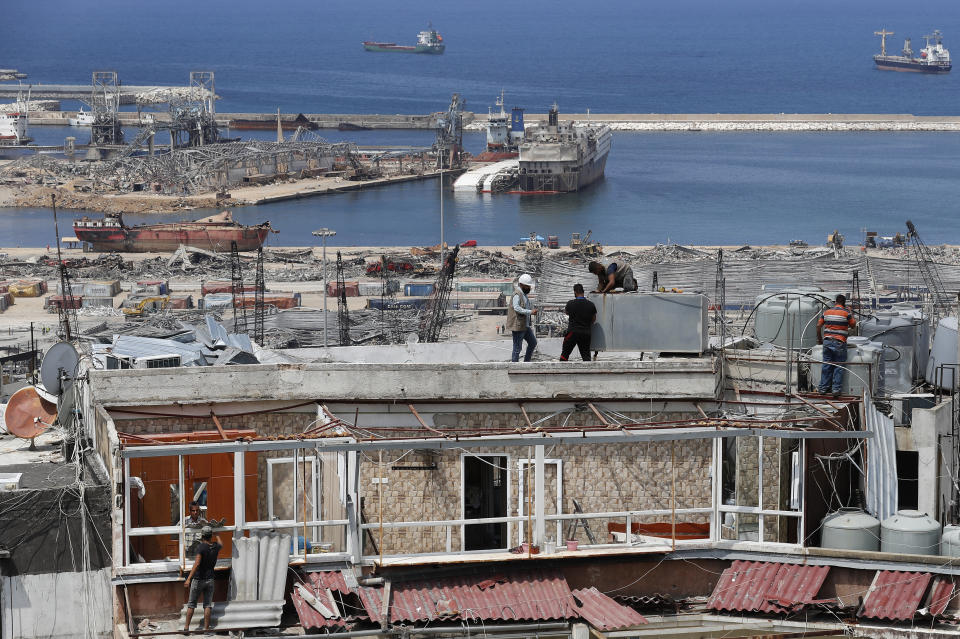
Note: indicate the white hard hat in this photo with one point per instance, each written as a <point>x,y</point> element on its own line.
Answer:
<point>526,280</point>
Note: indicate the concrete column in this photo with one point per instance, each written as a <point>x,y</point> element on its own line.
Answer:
<point>928,426</point>
<point>539,525</point>
<point>239,514</point>
<point>354,534</point>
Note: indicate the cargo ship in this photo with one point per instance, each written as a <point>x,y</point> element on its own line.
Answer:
<point>504,134</point>
<point>562,157</point>
<point>428,41</point>
<point>933,57</point>
<point>13,129</point>
<point>287,124</point>
<point>214,233</point>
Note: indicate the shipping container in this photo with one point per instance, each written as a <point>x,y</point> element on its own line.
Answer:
<point>477,300</point>
<point>163,284</point>
<point>97,302</point>
<point>76,288</point>
<point>375,288</point>
<point>352,289</point>
<point>5,301</point>
<point>146,290</point>
<point>223,286</point>
<point>217,300</point>
<point>4,288</point>
<point>101,288</point>
<point>56,302</point>
<point>480,285</point>
<point>418,289</point>
<point>28,288</point>
<point>277,300</point>
<point>180,302</point>
<point>378,303</point>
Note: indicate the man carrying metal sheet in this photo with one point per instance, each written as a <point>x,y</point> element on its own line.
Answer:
<point>582,313</point>
<point>832,331</point>
<point>204,562</point>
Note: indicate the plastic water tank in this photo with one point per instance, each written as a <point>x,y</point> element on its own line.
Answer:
<point>850,529</point>
<point>899,336</point>
<point>910,532</point>
<point>861,368</point>
<point>909,311</point>
<point>944,351</point>
<point>950,541</point>
<point>788,318</point>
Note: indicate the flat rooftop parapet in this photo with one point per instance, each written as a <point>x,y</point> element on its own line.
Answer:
<point>673,378</point>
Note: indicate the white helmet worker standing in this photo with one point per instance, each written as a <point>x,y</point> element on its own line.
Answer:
<point>519,314</point>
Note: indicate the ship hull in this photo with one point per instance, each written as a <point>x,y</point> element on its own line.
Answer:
<point>383,47</point>
<point>911,67</point>
<point>164,238</point>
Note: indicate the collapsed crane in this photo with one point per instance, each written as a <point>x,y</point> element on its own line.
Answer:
<point>435,314</point>
<point>939,299</point>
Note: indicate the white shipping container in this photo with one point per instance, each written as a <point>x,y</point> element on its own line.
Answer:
<point>97,302</point>
<point>76,288</point>
<point>102,288</point>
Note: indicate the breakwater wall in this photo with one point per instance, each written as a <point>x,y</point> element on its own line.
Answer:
<point>639,122</point>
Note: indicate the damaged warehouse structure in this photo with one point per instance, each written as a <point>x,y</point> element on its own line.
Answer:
<point>633,497</point>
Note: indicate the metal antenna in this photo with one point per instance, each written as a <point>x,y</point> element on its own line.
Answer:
<point>343,314</point>
<point>67,309</point>
<point>258,305</point>
<point>236,287</point>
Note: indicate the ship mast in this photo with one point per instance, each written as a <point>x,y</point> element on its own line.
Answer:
<point>883,33</point>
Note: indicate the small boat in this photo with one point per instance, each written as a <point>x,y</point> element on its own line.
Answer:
<point>83,118</point>
<point>13,129</point>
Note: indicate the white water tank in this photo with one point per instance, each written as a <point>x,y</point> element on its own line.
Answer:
<point>862,368</point>
<point>909,311</point>
<point>899,336</point>
<point>950,541</point>
<point>944,351</point>
<point>910,532</point>
<point>788,318</point>
<point>850,529</point>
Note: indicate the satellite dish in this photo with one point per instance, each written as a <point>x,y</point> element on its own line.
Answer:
<point>58,367</point>
<point>28,414</point>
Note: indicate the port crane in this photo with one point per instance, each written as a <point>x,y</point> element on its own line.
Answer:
<point>928,271</point>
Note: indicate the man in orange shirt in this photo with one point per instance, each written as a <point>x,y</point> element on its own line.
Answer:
<point>832,331</point>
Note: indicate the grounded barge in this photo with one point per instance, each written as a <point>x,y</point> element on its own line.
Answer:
<point>301,121</point>
<point>934,58</point>
<point>214,233</point>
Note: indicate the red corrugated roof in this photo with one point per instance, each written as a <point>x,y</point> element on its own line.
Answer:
<point>895,595</point>
<point>940,594</point>
<point>753,586</point>
<point>603,613</point>
<point>311,617</point>
<point>529,595</point>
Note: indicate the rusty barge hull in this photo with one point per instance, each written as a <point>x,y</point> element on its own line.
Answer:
<point>216,233</point>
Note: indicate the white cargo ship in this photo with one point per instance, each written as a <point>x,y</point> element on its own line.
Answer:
<point>561,157</point>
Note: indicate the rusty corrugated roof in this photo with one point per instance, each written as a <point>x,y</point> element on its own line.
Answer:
<point>895,595</point>
<point>753,586</point>
<point>525,595</point>
<point>311,617</point>
<point>603,613</point>
<point>940,594</point>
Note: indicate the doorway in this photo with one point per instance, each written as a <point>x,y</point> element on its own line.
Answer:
<point>484,495</point>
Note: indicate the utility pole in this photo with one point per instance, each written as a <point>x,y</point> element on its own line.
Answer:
<point>323,234</point>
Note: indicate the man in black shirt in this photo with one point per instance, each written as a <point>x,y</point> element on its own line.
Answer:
<point>203,565</point>
<point>582,314</point>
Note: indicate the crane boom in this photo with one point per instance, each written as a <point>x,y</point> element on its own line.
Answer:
<point>929,272</point>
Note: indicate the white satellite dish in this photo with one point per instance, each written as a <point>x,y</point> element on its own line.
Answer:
<point>58,367</point>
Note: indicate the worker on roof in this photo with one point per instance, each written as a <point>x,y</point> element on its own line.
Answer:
<point>520,314</point>
<point>582,313</point>
<point>832,331</point>
<point>204,562</point>
<point>613,277</point>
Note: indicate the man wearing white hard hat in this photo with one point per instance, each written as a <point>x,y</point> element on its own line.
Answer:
<point>520,313</point>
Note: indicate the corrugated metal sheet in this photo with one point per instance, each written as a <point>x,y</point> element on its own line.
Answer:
<point>309,616</point>
<point>603,613</point>
<point>881,479</point>
<point>749,586</point>
<point>895,595</point>
<point>240,615</point>
<point>940,594</point>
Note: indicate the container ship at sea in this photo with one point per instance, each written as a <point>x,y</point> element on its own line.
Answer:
<point>214,233</point>
<point>933,57</point>
<point>428,41</point>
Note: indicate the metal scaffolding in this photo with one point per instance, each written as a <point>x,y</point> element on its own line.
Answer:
<point>105,102</point>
